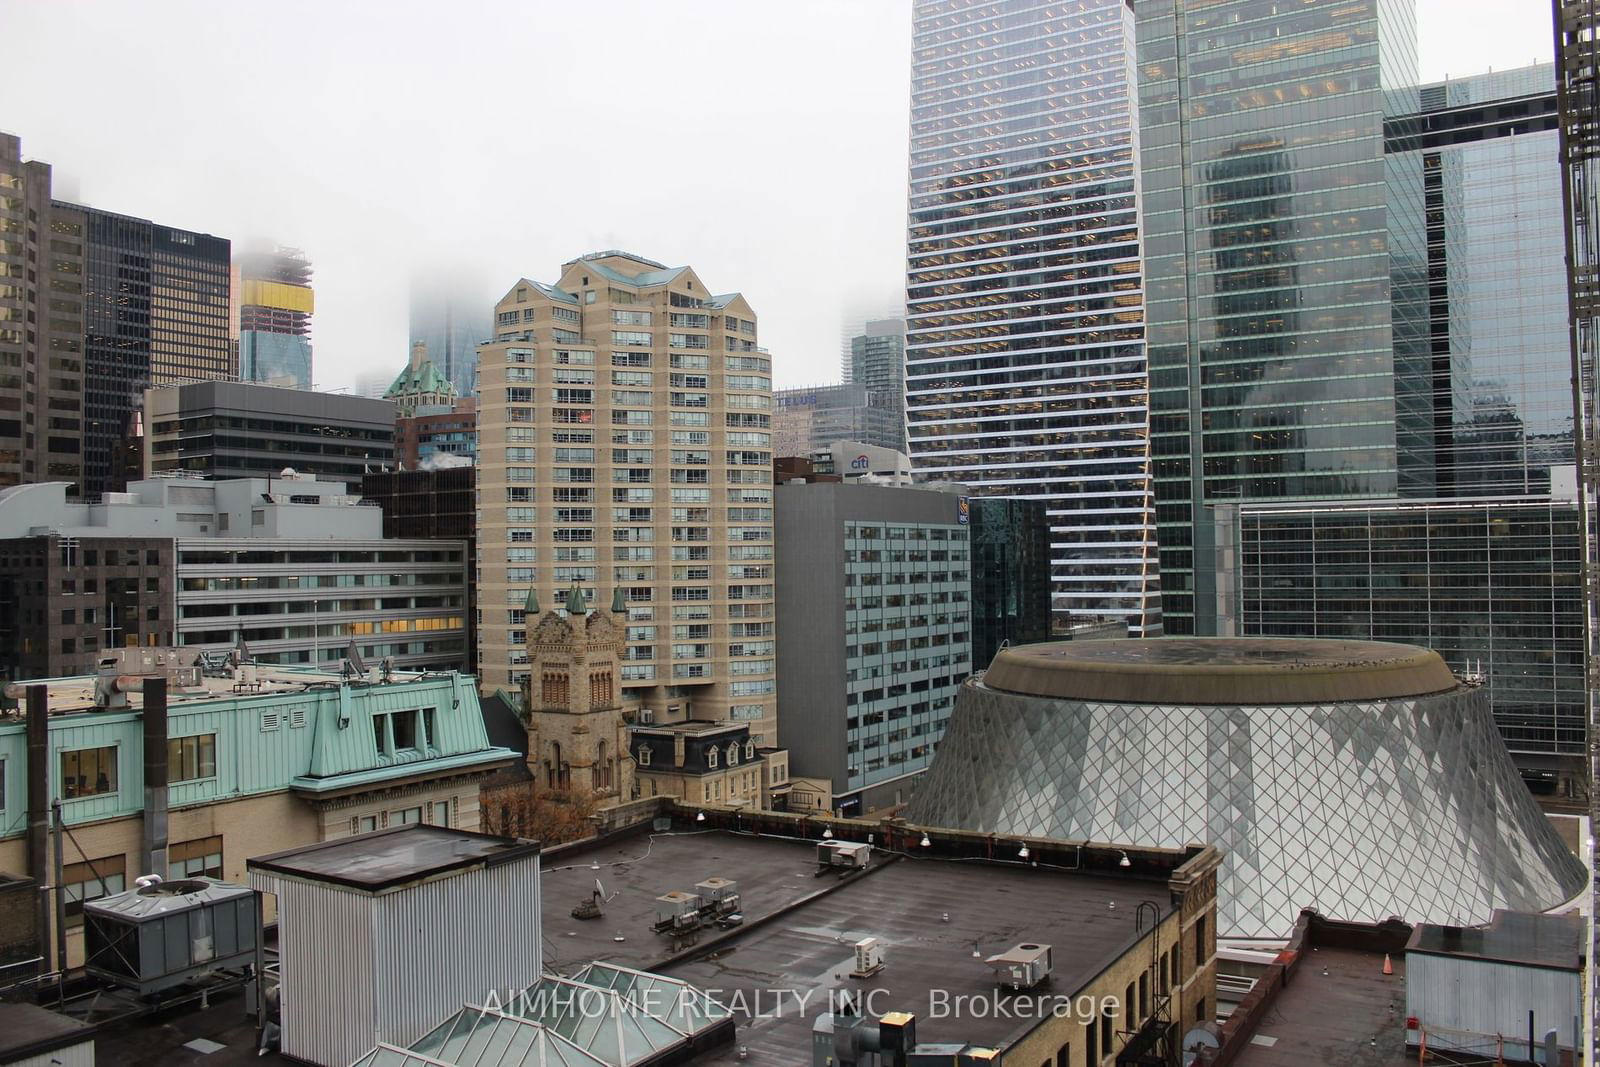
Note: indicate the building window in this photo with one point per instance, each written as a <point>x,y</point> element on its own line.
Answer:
<point>91,880</point>
<point>88,772</point>
<point>201,858</point>
<point>733,753</point>
<point>711,756</point>
<point>405,816</point>
<point>189,758</point>
<point>366,824</point>
<point>553,689</point>
<point>395,732</point>
<point>441,813</point>
<point>644,755</point>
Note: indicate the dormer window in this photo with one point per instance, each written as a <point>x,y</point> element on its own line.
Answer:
<point>711,756</point>
<point>733,753</point>
<point>749,750</point>
<point>644,755</point>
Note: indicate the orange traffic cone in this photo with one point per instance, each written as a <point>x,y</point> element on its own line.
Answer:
<point>1388,968</point>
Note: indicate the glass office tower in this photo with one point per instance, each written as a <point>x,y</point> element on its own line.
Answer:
<point>1285,266</point>
<point>1025,370</point>
<point>1502,392</point>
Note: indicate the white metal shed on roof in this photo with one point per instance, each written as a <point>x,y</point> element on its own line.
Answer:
<point>382,935</point>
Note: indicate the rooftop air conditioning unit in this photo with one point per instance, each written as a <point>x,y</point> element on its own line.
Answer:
<point>677,910</point>
<point>1022,967</point>
<point>869,958</point>
<point>720,894</point>
<point>843,854</point>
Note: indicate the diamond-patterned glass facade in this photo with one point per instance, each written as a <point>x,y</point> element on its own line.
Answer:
<point>1363,810</point>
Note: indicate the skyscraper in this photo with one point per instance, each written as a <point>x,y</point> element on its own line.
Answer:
<point>275,306</point>
<point>1502,394</point>
<point>41,326</point>
<point>156,303</point>
<point>1025,367</point>
<point>1285,266</point>
<point>814,417</point>
<point>449,313</point>
<point>624,447</point>
<point>878,362</point>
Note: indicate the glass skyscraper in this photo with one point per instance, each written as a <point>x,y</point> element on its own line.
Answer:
<point>1025,369</point>
<point>1285,266</point>
<point>1502,392</point>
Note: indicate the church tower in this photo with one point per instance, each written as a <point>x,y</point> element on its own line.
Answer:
<point>577,740</point>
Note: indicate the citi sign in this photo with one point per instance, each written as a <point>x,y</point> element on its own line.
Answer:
<point>860,463</point>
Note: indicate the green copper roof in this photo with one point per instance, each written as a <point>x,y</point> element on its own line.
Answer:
<point>616,601</point>
<point>423,379</point>
<point>531,605</point>
<point>575,604</point>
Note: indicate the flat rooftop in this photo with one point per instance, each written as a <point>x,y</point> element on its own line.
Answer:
<point>938,919</point>
<point>76,694</point>
<point>1220,670</point>
<point>387,858</point>
<point>1550,941</point>
<point>1354,1015</point>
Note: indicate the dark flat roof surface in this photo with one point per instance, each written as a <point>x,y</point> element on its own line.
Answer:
<point>1353,1016</point>
<point>1511,937</point>
<point>809,950</point>
<point>389,858</point>
<point>27,1026</point>
<point>1220,670</point>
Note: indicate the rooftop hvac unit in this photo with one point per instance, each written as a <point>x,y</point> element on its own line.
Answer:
<point>1022,967</point>
<point>843,854</point>
<point>869,958</point>
<point>677,910</point>
<point>168,933</point>
<point>720,894</point>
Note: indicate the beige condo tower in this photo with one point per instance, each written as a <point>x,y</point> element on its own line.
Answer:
<point>624,443</point>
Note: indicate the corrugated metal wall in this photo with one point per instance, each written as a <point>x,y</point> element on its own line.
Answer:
<point>358,969</point>
<point>454,941</point>
<point>326,961</point>
<point>1480,997</point>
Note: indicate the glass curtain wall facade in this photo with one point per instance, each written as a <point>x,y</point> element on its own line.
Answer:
<point>1492,586</point>
<point>1285,266</point>
<point>1502,400</point>
<point>878,362</point>
<point>1025,370</point>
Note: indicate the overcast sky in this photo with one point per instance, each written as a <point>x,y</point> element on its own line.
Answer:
<point>761,141</point>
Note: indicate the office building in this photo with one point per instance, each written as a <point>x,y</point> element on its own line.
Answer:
<point>1502,395</point>
<point>1010,541</point>
<point>624,441</point>
<point>1359,778</point>
<point>275,306</point>
<point>420,385</point>
<point>1286,267</point>
<point>1492,586</point>
<point>1025,365</point>
<point>291,758</point>
<point>816,416</point>
<point>295,568</point>
<point>450,314</point>
<point>41,326</point>
<point>877,361</point>
<point>224,430</point>
<point>433,505</point>
<point>874,588</point>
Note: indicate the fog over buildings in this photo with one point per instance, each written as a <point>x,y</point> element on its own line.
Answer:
<point>383,147</point>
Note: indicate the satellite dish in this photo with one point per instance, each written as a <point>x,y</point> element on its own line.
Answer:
<point>357,664</point>
<point>1201,1037</point>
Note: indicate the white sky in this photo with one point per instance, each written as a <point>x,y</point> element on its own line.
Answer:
<point>761,141</point>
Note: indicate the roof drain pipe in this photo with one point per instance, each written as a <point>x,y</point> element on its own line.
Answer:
<point>155,776</point>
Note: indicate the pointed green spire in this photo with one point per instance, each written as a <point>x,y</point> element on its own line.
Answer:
<point>616,601</point>
<point>575,605</point>
<point>531,606</point>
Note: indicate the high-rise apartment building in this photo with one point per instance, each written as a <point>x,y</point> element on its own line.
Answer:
<point>878,362</point>
<point>1502,393</point>
<point>41,326</point>
<point>624,446</point>
<point>1285,266</point>
<point>1025,366</point>
<point>448,315</point>
<point>275,306</point>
